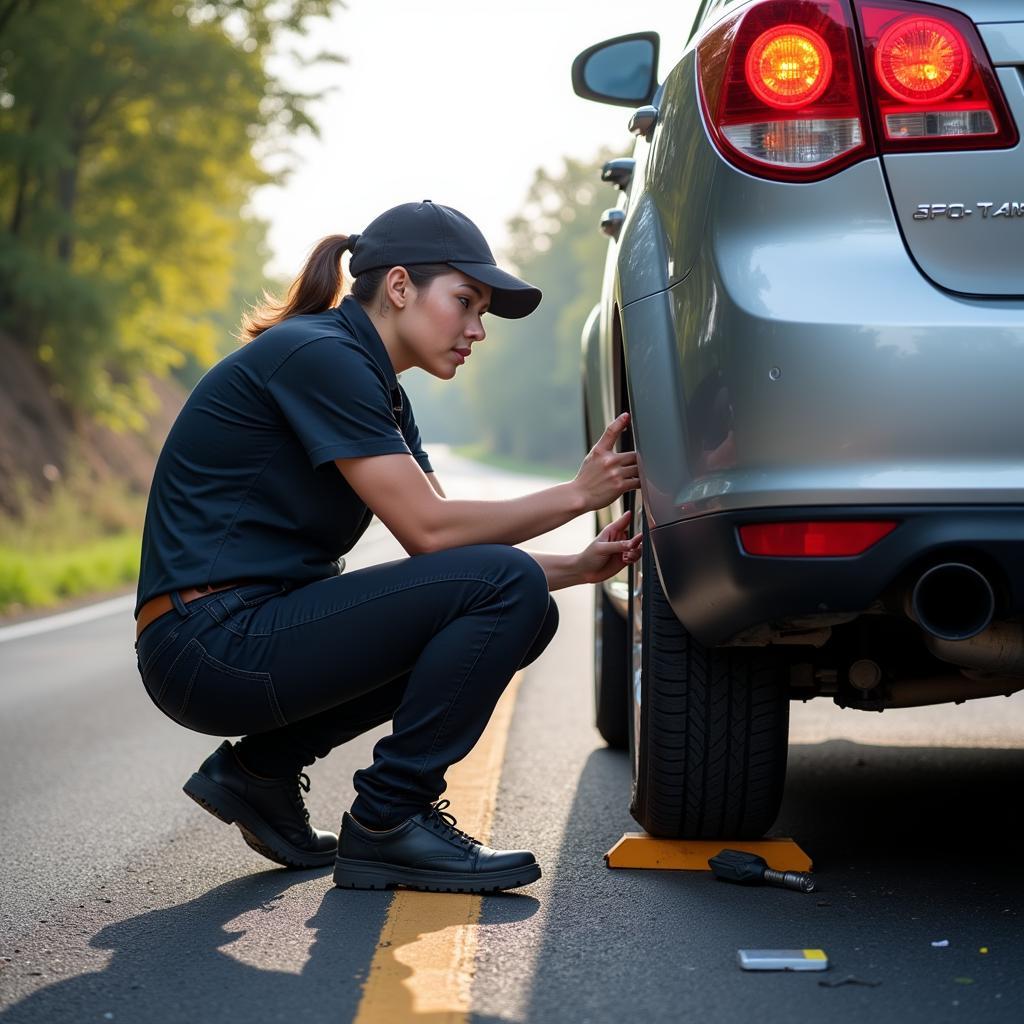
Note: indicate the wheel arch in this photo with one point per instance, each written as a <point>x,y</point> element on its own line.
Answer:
<point>590,354</point>
<point>655,395</point>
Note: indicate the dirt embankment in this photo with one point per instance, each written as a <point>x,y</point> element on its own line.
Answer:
<point>41,440</point>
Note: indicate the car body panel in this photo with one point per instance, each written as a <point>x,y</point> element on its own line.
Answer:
<point>1004,42</point>
<point>979,11</point>
<point>974,202</point>
<point>873,401</point>
<point>987,10</point>
<point>666,229</point>
<point>657,407</point>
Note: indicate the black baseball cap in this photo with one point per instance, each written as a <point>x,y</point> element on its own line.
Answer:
<point>428,232</point>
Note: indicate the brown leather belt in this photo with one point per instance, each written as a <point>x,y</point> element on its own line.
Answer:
<point>157,606</point>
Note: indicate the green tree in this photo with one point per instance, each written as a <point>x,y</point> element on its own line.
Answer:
<point>132,133</point>
<point>251,255</point>
<point>524,386</point>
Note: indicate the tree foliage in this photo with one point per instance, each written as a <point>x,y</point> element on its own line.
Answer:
<point>132,133</point>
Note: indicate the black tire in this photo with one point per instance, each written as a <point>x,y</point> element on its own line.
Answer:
<point>611,672</point>
<point>709,757</point>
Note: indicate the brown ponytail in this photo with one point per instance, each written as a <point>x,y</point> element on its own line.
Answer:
<point>314,290</point>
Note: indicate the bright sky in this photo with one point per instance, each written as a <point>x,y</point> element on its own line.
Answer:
<point>452,100</point>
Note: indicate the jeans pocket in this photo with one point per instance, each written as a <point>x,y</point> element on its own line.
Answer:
<point>222,700</point>
<point>169,677</point>
<point>150,648</point>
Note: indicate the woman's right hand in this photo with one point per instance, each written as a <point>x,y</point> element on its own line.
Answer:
<point>605,473</point>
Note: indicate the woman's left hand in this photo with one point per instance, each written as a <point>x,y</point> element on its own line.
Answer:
<point>609,551</point>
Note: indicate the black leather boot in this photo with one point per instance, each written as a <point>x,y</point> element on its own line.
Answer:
<point>429,853</point>
<point>270,813</point>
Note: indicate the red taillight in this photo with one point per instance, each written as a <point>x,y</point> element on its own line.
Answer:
<point>921,60</point>
<point>781,89</point>
<point>824,539</point>
<point>931,80</point>
<point>788,66</point>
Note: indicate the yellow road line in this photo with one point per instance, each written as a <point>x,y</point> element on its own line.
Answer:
<point>424,960</point>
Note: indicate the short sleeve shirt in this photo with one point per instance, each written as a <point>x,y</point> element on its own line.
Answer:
<point>245,487</point>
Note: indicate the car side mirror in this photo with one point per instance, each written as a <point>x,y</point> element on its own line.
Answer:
<point>621,71</point>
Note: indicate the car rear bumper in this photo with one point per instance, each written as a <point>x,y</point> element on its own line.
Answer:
<point>717,590</point>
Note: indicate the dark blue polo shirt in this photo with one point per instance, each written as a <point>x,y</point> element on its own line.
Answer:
<point>245,487</point>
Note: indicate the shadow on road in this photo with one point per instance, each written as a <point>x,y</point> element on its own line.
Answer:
<point>186,963</point>
<point>941,819</point>
<point>171,964</point>
<point>910,845</point>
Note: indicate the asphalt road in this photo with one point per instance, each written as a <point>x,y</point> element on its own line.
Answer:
<point>121,900</point>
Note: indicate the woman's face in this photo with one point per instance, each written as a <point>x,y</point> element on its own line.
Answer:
<point>440,326</point>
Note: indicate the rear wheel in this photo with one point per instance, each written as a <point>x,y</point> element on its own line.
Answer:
<point>611,671</point>
<point>709,726</point>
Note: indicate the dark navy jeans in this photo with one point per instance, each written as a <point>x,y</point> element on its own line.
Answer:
<point>429,642</point>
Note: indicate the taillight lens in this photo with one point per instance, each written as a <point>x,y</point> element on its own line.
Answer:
<point>788,66</point>
<point>931,80</point>
<point>922,60</point>
<point>824,539</point>
<point>781,89</point>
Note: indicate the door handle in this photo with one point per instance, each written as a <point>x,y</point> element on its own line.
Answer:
<point>611,222</point>
<point>643,120</point>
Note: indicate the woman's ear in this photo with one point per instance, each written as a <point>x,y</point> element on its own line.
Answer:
<point>399,290</point>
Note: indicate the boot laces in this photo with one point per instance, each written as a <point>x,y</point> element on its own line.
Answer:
<point>302,786</point>
<point>446,823</point>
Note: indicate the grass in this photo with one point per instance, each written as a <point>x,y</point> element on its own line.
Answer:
<point>82,537</point>
<point>37,580</point>
<point>478,453</point>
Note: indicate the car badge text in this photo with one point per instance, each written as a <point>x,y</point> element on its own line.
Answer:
<point>958,211</point>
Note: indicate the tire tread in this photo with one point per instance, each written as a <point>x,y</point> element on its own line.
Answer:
<point>714,732</point>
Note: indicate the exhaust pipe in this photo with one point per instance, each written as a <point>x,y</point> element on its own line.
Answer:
<point>999,650</point>
<point>919,693</point>
<point>952,601</point>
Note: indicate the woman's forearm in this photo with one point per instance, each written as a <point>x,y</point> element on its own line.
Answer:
<point>508,521</point>
<point>423,520</point>
<point>561,570</point>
